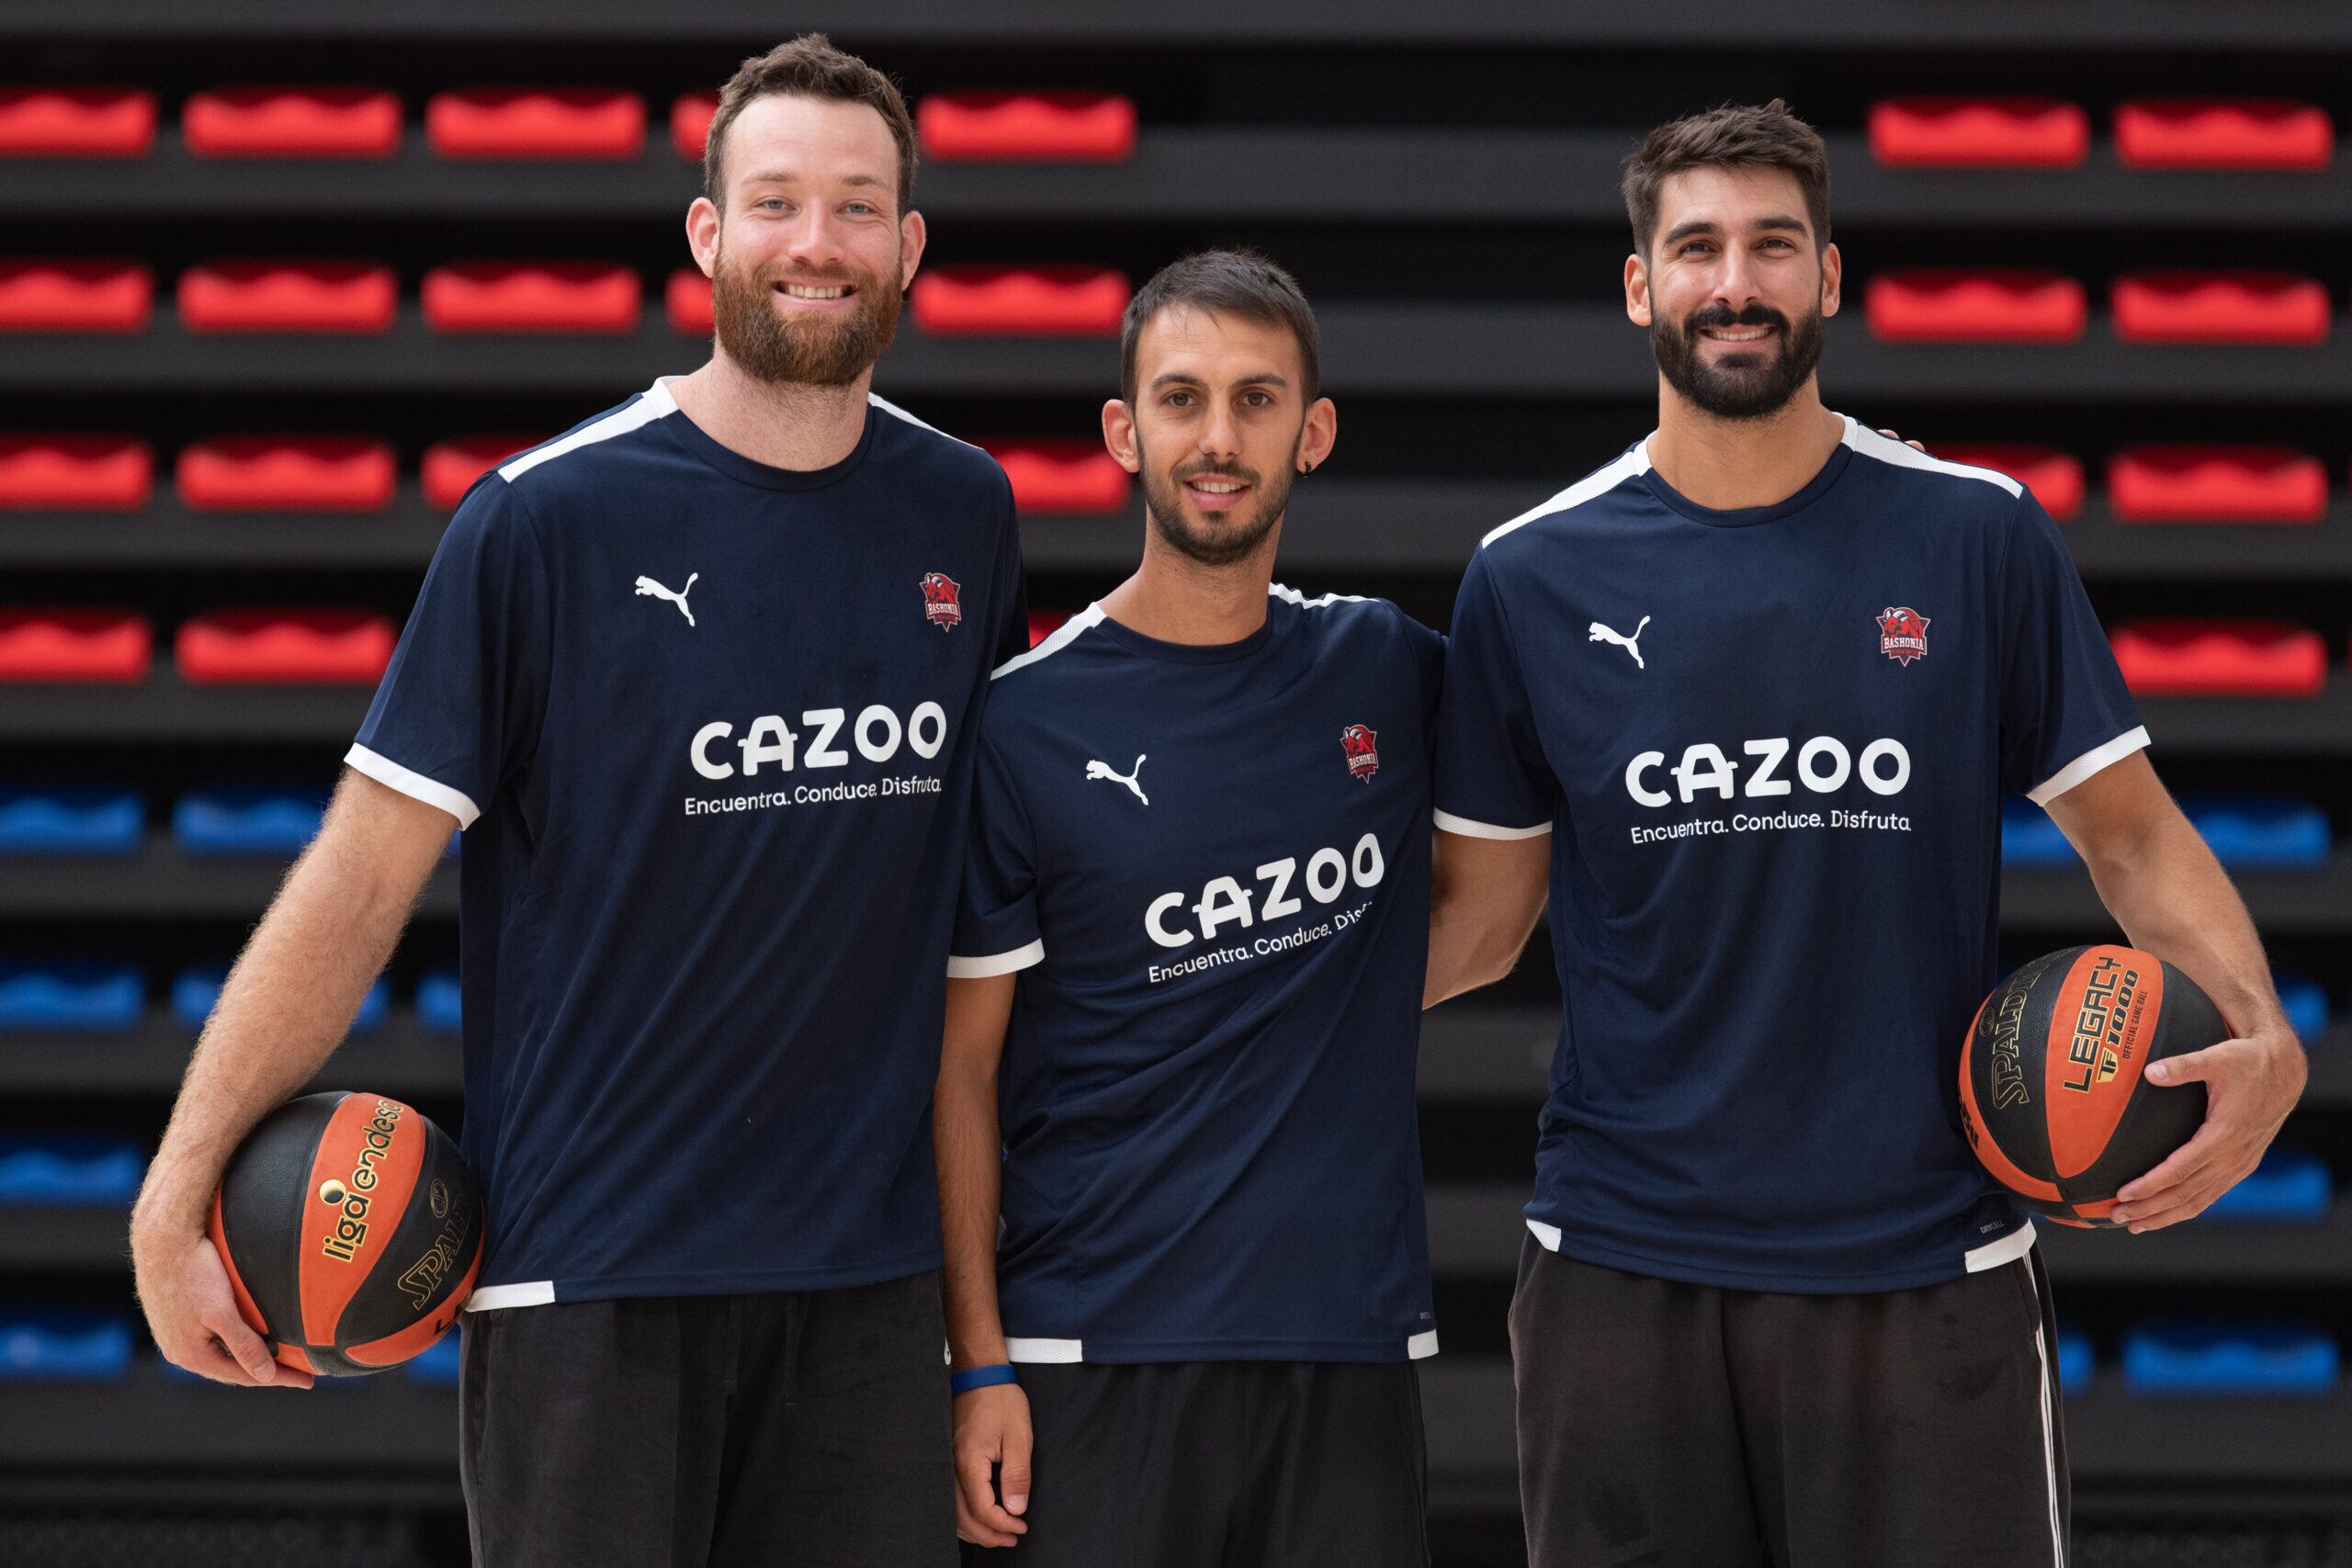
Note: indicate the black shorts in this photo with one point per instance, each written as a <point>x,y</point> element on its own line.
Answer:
<point>807,1428</point>
<point>1223,1464</point>
<point>1663,1424</point>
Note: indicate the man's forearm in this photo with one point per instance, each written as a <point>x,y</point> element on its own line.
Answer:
<point>2173,899</point>
<point>284,1007</point>
<point>969,1152</point>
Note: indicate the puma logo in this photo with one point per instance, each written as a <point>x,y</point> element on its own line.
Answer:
<point>1102,771</point>
<point>646,585</point>
<point>1630,644</point>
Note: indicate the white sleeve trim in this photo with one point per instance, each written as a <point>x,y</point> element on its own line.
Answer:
<point>1469,829</point>
<point>2089,762</point>
<point>1063,1352</point>
<point>416,785</point>
<point>998,963</point>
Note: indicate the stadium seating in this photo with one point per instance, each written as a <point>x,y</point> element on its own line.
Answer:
<point>87,820</point>
<point>74,296</point>
<point>2217,133</point>
<point>535,122</point>
<point>1027,127</point>
<point>77,122</point>
<point>76,473</point>
<point>532,296</point>
<point>70,999</point>
<point>78,645</point>
<point>1038,301</point>
<point>287,297</point>
<point>2216,484</point>
<point>1947,305</point>
<point>284,647</point>
<point>293,122</point>
<point>287,473</point>
<point>1978,133</point>
<point>2195,1357</point>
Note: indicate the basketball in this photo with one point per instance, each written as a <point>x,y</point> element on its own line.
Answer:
<point>351,1231</point>
<point>2051,1092</point>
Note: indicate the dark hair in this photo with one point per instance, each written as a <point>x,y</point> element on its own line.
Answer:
<point>1231,283</point>
<point>809,67</point>
<point>1733,136</point>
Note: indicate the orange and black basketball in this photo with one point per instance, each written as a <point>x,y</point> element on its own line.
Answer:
<point>352,1230</point>
<point>2051,1092</point>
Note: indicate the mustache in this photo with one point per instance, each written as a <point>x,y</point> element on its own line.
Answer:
<point>1756,314</point>
<point>1216,470</point>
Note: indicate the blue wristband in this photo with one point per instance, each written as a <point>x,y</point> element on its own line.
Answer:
<point>980,1377</point>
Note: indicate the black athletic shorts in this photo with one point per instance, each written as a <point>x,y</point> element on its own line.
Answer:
<point>804,1430</point>
<point>1223,1464</point>
<point>1668,1424</point>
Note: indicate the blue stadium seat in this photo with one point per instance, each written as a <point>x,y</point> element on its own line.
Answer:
<point>63,1346</point>
<point>439,1004</point>
<point>2255,833</point>
<point>2289,1187</point>
<point>438,1366</point>
<point>2030,839</point>
<point>2076,1361</point>
<point>71,821</point>
<point>82,998</point>
<point>2283,1360</point>
<point>57,1172</point>
<point>247,821</point>
<point>2305,1000</point>
<point>197,991</point>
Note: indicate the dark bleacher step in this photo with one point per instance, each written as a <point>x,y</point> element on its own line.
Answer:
<point>162,882</point>
<point>1336,525</point>
<point>2027,27</point>
<point>401,1059</point>
<point>1184,174</point>
<point>1498,350</point>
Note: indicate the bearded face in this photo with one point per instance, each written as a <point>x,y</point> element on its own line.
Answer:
<point>828,334</point>
<point>1733,382</point>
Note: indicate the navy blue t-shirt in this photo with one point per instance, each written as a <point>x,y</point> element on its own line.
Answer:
<point>1210,865</point>
<point>709,726</point>
<point>1770,747</point>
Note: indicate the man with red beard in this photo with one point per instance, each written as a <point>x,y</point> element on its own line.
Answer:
<point>701,676</point>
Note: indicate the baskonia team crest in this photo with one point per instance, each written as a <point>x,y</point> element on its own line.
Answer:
<point>1902,633</point>
<point>1364,754</point>
<point>943,600</point>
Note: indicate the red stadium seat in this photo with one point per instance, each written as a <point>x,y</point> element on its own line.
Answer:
<point>287,473</point>
<point>2215,658</point>
<point>535,122</point>
<point>2222,133</point>
<point>1054,127</point>
<point>2055,477</point>
<point>1044,623</point>
<point>2216,484</point>
<point>290,647</point>
<point>451,466</point>
<point>2221,306</point>
<point>1062,475</point>
<point>685,301</point>
<point>74,297</point>
<point>293,122</point>
<point>690,120</point>
<point>77,122</point>
<point>112,647</point>
<point>76,473</point>
<point>1947,305</point>
<point>1978,133</point>
<point>288,297</point>
<point>532,296</point>
<point>1046,299</point>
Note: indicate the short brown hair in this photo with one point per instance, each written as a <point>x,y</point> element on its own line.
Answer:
<point>1230,283</point>
<point>1733,136</point>
<point>809,67</point>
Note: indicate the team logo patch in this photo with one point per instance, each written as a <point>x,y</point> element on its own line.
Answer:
<point>1902,633</point>
<point>943,600</point>
<point>1361,748</point>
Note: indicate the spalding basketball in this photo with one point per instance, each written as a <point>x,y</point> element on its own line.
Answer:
<point>2051,1092</point>
<point>352,1232</point>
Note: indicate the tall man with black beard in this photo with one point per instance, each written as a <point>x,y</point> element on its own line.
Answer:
<point>700,679</point>
<point>1748,698</point>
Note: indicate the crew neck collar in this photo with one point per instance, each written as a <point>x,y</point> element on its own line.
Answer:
<point>735,466</point>
<point>1135,642</point>
<point>1750,516</point>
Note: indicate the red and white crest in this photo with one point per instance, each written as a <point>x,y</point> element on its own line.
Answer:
<point>1362,750</point>
<point>1902,633</point>
<point>943,600</point>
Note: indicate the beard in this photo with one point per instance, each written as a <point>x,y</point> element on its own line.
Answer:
<point>1739,385</point>
<point>1219,543</point>
<point>815,349</point>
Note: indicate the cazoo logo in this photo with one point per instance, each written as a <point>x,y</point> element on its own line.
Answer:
<point>1823,765</point>
<point>878,734</point>
<point>1224,901</point>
